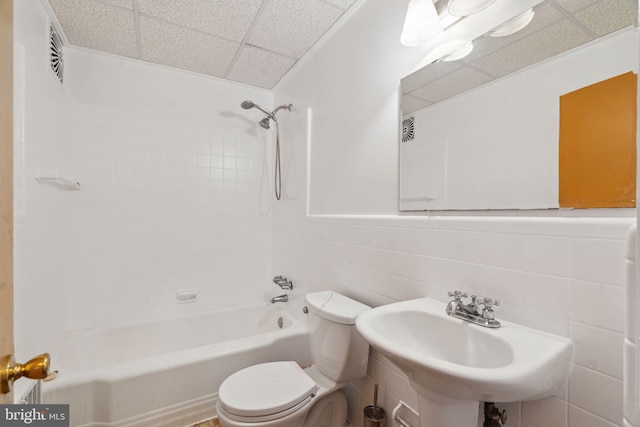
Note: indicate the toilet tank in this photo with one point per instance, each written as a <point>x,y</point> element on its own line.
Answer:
<point>337,348</point>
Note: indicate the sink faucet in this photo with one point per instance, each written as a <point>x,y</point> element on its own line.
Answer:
<point>469,312</point>
<point>280,298</point>
<point>457,305</point>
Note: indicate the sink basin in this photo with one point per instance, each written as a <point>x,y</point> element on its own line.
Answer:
<point>449,359</point>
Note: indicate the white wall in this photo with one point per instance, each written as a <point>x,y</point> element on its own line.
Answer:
<point>562,274</point>
<point>153,217</point>
<point>174,192</point>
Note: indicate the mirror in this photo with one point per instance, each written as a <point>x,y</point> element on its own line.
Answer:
<point>483,132</point>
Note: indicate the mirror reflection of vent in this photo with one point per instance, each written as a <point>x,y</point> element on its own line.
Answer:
<point>55,48</point>
<point>408,129</point>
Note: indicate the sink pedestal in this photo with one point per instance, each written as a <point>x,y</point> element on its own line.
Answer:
<point>437,410</point>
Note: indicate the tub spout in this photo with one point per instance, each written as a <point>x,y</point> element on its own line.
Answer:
<point>280,298</point>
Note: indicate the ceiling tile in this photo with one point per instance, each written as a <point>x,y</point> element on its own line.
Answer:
<point>575,5</point>
<point>344,4</point>
<point>205,36</point>
<point>259,67</point>
<point>452,84</point>
<point>557,38</point>
<point>428,74</point>
<point>412,104</point>
<point>291,27</point>
<point>179,47</point>
<point>122,3</point>
<point>543,16</point>
<point>608,16</point>
<point>229,19</point>
<point>96,25</point>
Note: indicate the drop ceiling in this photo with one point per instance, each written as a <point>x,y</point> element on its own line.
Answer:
<point>557,26</point>
<point>254,42</point>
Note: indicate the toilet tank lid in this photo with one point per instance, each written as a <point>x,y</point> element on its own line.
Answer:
<point>335,307</point>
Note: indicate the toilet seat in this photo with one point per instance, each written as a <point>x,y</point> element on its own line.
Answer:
<point>266,391</point>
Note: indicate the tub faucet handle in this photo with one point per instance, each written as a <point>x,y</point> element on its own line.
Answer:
<point>283,282</point>
<point>286,284</point>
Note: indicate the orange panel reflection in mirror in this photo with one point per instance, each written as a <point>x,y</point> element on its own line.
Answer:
<point>598,145</point>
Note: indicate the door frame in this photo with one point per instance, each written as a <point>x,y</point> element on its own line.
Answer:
<point>6,183</point>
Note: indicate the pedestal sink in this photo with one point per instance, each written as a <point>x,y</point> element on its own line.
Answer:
<point>454,364</point>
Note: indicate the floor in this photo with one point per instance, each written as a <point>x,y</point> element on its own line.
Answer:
<point>208,423</point>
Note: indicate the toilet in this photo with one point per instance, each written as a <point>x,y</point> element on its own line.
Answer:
<point>282,394</point>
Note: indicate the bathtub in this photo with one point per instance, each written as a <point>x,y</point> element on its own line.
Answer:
<point>168,373</point>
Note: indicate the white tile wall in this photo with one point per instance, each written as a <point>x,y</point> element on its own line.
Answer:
<point>168,203</point>
<point>384,259</point>
<point>172,193</point>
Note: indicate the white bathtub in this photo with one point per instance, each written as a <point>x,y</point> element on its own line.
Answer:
<point>168,373</point>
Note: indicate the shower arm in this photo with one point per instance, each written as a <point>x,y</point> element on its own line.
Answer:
<point>282,107</point>
<point>264,110</point>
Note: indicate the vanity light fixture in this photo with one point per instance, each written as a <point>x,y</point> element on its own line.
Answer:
<point>421,23</point>
<point>458,53</point>
<point>513,25</point>
<point>447,19</point>
<point>468,7</point>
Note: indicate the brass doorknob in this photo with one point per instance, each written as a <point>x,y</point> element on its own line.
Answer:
<point>36,369</point>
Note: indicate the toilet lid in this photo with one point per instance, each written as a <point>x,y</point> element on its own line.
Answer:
<point>265,389</point>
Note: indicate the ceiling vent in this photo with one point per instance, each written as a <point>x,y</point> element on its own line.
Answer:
<point>408,129</point>
<point>55,49</point>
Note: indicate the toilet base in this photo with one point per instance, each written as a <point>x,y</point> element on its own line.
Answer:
<point>329,411</point>
<point>326,411</point>
<point>291,420</point>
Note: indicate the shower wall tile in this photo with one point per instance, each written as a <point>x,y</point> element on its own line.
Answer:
<point>172,194</point>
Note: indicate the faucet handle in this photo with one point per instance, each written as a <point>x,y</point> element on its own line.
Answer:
<point>488,302</point>
<point>458,294</point>
<point>487,311</point>
<point>278,279</point>
<point>285,284</point>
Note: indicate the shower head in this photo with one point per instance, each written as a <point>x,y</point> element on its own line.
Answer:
<point>264,123</point>
<point>247,105</point>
